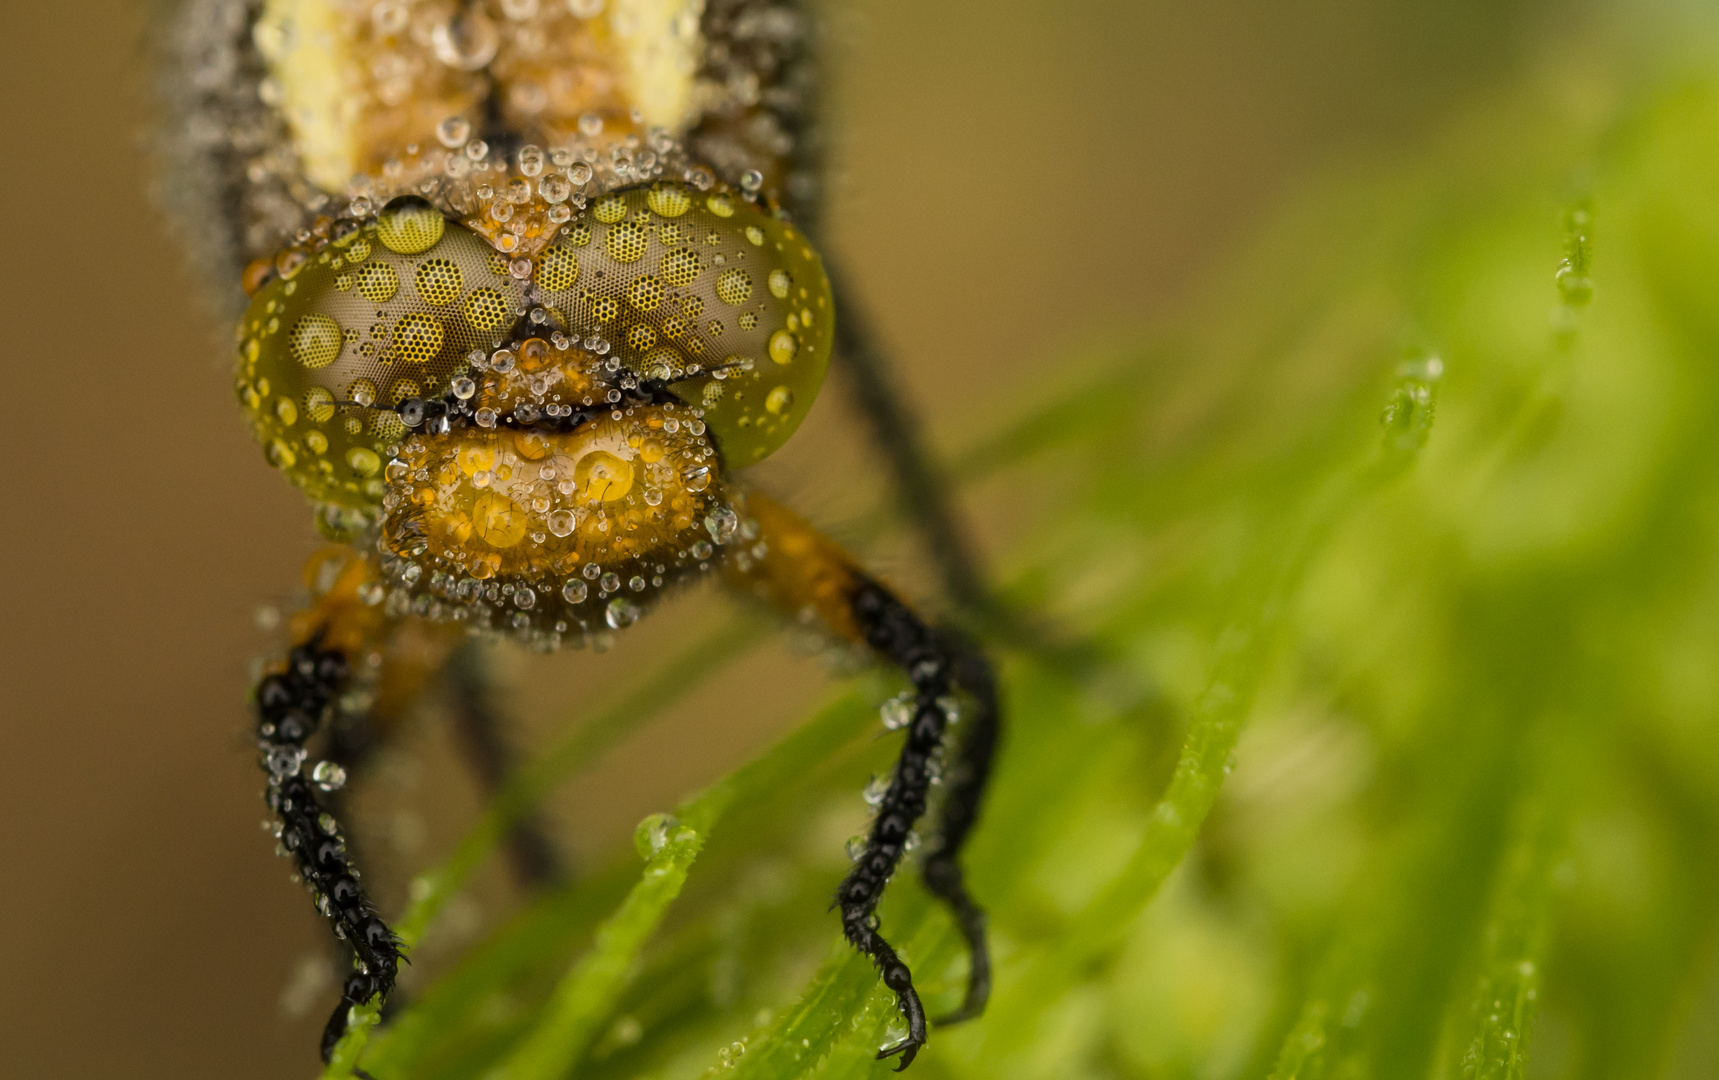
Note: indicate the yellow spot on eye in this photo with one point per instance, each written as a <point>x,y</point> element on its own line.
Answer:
<point>409,225</point>
<point>343,282</point>
<point>748,320</point>
<point>403,389</point>
<point>475,457</point>
<point>692,307</point>
<point>602,477</point>
<point>780,283</point>
<point>358,251</point>
<point>721,205</point>
<point>557,270</point>
<point>646,293</point>
<point>438,281</point>
<point>317,442</point>
<point>603,308</point>
<point>783,347</point>
<point>314,341</point>
<point>386,426</point>
<point>669,200</point>
<point>280,455</point>
<point>286,412</point>
<point>496,262</point>
<point>641,337</point>
<point>319,404</point>
<point>417,338</point>
<point>363,391</point>
<point>363,461</point>
<point>734,286</point>
<point>610,209</point>
<point>378,283</point>
<point>578,235</point>
<point>486,309</point>
<point>755,235</point>
<point>497,520</point>
<point>779,400</point>
<point>681,267</point>
<point>626,241</point>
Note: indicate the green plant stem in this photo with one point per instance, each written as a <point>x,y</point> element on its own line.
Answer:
<point>530,785</point>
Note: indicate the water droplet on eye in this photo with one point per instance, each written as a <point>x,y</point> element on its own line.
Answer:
<point>751,180</point>
<point>779,400</point>
<point>780,283</point>
<point>453,132</point>
<point>328,776</point>
<point>410,225</point>
<point>783,347</point>
<point>364,461</point>
<point>636,583</point>
<point>621,613</point>
<point>721,523</point>
<point>574,592</point>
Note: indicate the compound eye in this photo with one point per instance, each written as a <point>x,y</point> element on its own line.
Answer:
<point>706,292</point>
<point>382,315</point>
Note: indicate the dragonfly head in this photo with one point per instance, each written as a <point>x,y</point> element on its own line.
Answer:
<point>361,335</point>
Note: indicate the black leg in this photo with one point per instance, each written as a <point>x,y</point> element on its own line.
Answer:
<point>934,668</point>
<point>964,782</point>
<point>290,707</point>
<point>531,855</point>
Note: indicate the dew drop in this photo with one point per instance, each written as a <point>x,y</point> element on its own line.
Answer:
<point>621,613</point>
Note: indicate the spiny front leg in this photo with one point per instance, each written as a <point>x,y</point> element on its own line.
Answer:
<point>964,781</point>
<point>897,634</point>
<point>802,572</point>
<point>291,704</point>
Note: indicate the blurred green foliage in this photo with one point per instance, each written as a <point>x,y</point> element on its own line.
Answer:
<point>1404,762</point>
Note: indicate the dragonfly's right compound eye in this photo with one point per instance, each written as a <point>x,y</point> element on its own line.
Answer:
<point>383,313</point>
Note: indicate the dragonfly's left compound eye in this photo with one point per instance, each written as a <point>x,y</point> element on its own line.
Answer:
<point>384,313</point>
<point>707,293</point>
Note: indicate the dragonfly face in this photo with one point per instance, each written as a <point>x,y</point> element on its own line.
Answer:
<point>552,421</point>
<point>525,292</point>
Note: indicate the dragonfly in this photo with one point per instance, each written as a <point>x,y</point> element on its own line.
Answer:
<point>521,287</point>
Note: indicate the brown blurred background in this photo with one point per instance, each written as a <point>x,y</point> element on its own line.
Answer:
<point>1015,182</point>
